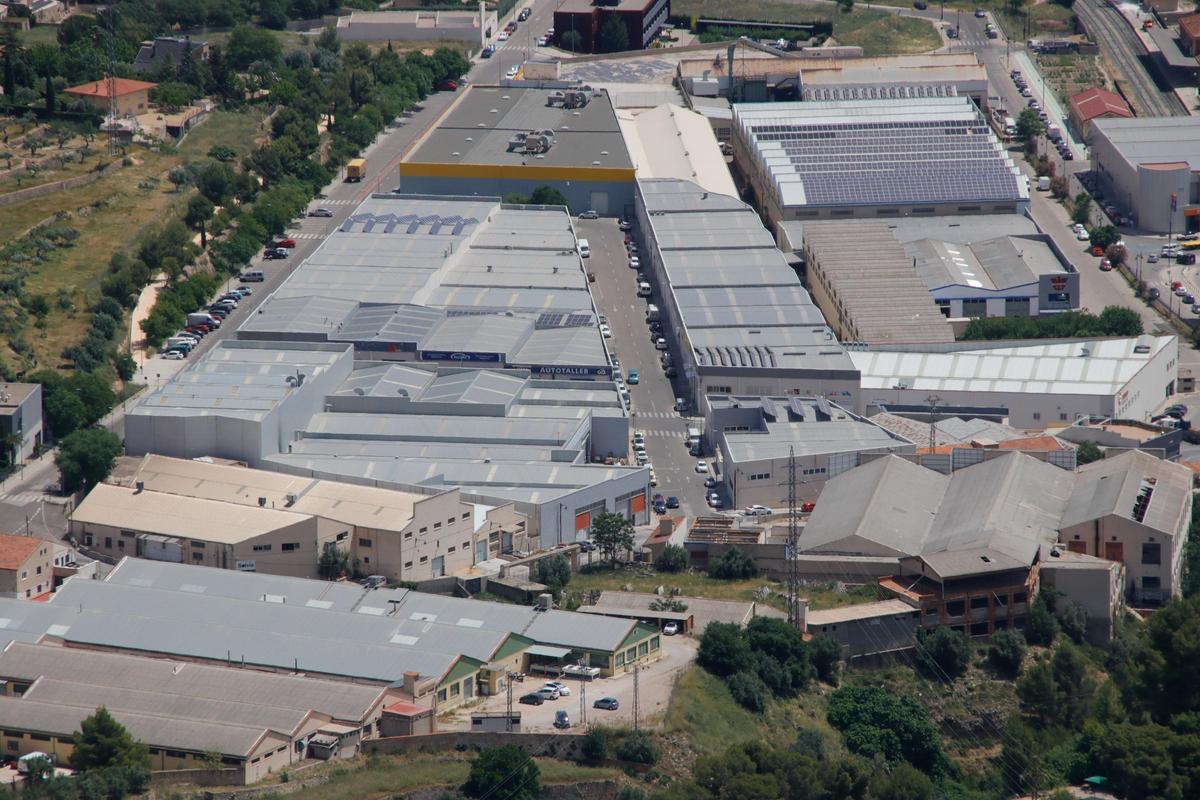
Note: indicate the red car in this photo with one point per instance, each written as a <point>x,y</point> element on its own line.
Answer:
<point>200,329</point>
<point>448,86</point>
<point>286,243</point>
<point>808,506</point>
<point>1097,251</point>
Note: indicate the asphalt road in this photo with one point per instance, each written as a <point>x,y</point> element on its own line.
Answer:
<point>653,397</point>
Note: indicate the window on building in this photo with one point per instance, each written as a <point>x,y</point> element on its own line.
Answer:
<point>408,534</point>
<point>653,644</point>
<point>1020,597</point>
<point>422,530</point>
<point>14,734</point>
<point>437,525</point>
<point>441,695</point>
<point>364,542</point>
<point>979,602</point>
<point>466,515</point>
<point>120,544</point>
<point>408,565</point>
<point>455,691</point>
<point>424,559</point>
<point>39,570</point>
<point>1151,582</point>
<point>452,549</point>
<point>200,545</point>
<point>197,557</point>
<point>341,537</point>
<point>974,308</point>
<point>466,545</point>
<point>24,574</point>
<point>1062,416</point>
<point>1151,553</point>
<point>87,540</point>
<point>153,751</point>
<point>288,547</point>
<point>956,608</point>
<point>620,662</point>
<point>262,548</point>
<point>643,648</point>
<point>14,745</point>
<point>450,521</point>
<point>107,542</point>
<point>1037,415</point>
<point>39,737</point>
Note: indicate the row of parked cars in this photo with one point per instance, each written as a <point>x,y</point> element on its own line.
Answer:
<point>202,323</point>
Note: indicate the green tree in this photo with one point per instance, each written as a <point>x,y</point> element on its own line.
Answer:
<point>248,44</point>
<point>1168,682</point>
<point>1007,651</point>
<point>572,40</point>
<point>102,743</point>
<point>613,534</point>
<point>1073,622</point>
<point>85,457</point>
<point>1042,626</point>
<point>333,563</point>
<point>1087,452</point>
<point>1019,751</point>
<point>51,101</point>
<point>554,572</point>
<point>595,745</point>
<point>877,722</point>
<point>826,656</point>
<point>65,413</point>
<point>1081,208</point>
<point>723,648</point>
<point>1103,236</point>
<point>943,652</point>
<point>199,212</point>
<point>748,690</point>
<point>638,747</point>
<point>733,565</point>
<point>547,196</point>
<point>506,772</point>
<point>904,782</point>
<point>613,36</point>
<point>845,6</point>
<point>673,558</point>
<point>1029,125</point>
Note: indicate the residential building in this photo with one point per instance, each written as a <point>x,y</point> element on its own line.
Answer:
<point>874,158</point>
<point>26,566</point>
<point>1150,170</point>
<point>740,319</point>
<point>759,440</point>
<point>642,20</point>
<point>169,51</point>
<point>1095,103</point>
<point>256,723</point>
<point>1034,384</point>
<point>131,97</point>
<point>21,420</point>
<point>495,141</point>
<point>1189,34</point>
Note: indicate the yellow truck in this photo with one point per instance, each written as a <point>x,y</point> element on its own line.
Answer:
<point>356,170</point>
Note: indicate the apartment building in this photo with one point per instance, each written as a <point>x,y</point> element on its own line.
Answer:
<point>26,566</point>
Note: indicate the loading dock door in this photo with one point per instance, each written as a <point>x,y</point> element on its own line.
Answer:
<point>600,203</point>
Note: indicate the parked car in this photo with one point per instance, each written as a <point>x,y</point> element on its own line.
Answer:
<point>607,703</point>
<point>624,225</point>
<point>660,506</point>
<point>587,546</point>
<point>563,689</point>
<point>670,372</point>
<point>757,511</point>
<point>702,467</point>
<point>548,692</point>
<point>710,482</point>
<point>524,15</point>
<point>274,253</point>
<point>670,629</point>
<point>1187,298</point>
<point>1106,265</point>
<point>447,85</point>
<point>672,501</point>
<point>502,36</point>
<point>807,506</point>
<point>320,212</point>
<point>634,377</point>
<point>561,719</point>
<point>1082,235</point>
<point>173,355</point>
<point>487,51</point>
<point>532,699</point>
<point>285,243</point>
<point>1178,411</point>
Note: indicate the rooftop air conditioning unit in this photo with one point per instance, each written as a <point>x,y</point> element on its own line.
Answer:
<point>544,602</point>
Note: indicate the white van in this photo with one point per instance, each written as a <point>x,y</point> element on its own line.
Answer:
<point>585,250</point>
<point>643,289</point>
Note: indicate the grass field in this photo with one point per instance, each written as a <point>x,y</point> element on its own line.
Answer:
<point>383,777</point>
<point>697,584</point>
<point>877,32</point>
<point>109,214</point>
<point>702,709</point>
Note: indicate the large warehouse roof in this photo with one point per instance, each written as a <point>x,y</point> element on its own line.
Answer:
<point>673,142</point>
<point>480,126</point>
<point>1153,140</point>
<point>879,152</point>
<point>1099,367</point>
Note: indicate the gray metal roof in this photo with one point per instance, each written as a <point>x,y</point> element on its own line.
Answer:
<point>1152,140</point>
<point>1112,486</point>
<point>846,435</point>
<point>479,126</point>
<point>1000,263</point>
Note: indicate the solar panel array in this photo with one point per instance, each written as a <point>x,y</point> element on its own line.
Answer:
<point>891,162</point>
<point>551,319</point>
<point>371,223</point>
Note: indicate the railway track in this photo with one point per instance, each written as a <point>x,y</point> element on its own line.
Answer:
<point>1123,47</point>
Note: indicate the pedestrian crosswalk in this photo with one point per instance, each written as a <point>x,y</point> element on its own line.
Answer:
<point>347,202</point>
<point>308,235</point>
<point>20,498</point>
<point>657,415</point>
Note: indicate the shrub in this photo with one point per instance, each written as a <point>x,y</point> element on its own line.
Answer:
<point>673,558</point>
<point>944,652</point>
<point>639,748</point>
<point>1007,652</point>
<point>595,745</point>
<point>748,690</point>
<point>734,564</point>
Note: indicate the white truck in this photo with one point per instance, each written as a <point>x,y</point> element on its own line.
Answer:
<point>693,440</point>
<point>652,313</point>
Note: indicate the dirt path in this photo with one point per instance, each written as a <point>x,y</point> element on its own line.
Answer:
<point>141,311</point>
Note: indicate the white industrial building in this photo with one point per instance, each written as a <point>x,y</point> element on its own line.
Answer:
<point>1035,384</point>
<point>428,344</point>
<point>759,439</point>
<point>1149,168</point>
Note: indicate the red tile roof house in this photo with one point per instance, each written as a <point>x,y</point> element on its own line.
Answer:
<point>133,97</point>
<point>1095,103</point>
<point>26,566</point>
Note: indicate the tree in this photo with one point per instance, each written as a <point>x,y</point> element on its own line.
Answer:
<point>547,196</point>
<point>673,558</point>
<point>613,36</point>
<point>904,782</point>
<point>1087,452</point>
<point>179,176</point>
<point>1168,682</point>
<point>124,365</point>
<point>572,40</point>
<point>86,456</point>
<point>248,44</point>
<point>103,743</point>
<point>595,745</point>
<point>1007,652</point>
<point>638,747</point>
<point>1074,622</point>
<point>845,6</point>
<point>1029,126</point>
<point>875,721</point>
<point>733,565</point>
<point>1060,187</point>
<point>507,772</point>
<point>333,563</point>
<point>943,652</point>
<point>1104,236</point>
<point>1018,756</point>
<point>723,649</point>
<point>554,572</point>
<point>199,212</point>
<point>612,533</point>
<point>51,102</point>
<point>1042,626</point>
<point>1081,208</point>
<point>65,413</point>
<point>748,690</point>
<point>826,656</point>
<point>12,49</point>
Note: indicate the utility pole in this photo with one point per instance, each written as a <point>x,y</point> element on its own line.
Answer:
<point>636,669</point>
<point>793,545</point>
<point>933,400</point>
<point>508,682</point>
<point>583,703</point>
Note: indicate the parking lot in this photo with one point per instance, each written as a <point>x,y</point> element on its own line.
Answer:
<point>653,397</point>
<point>655,683</point>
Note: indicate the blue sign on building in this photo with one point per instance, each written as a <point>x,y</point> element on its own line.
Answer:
<point>451,355</point>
